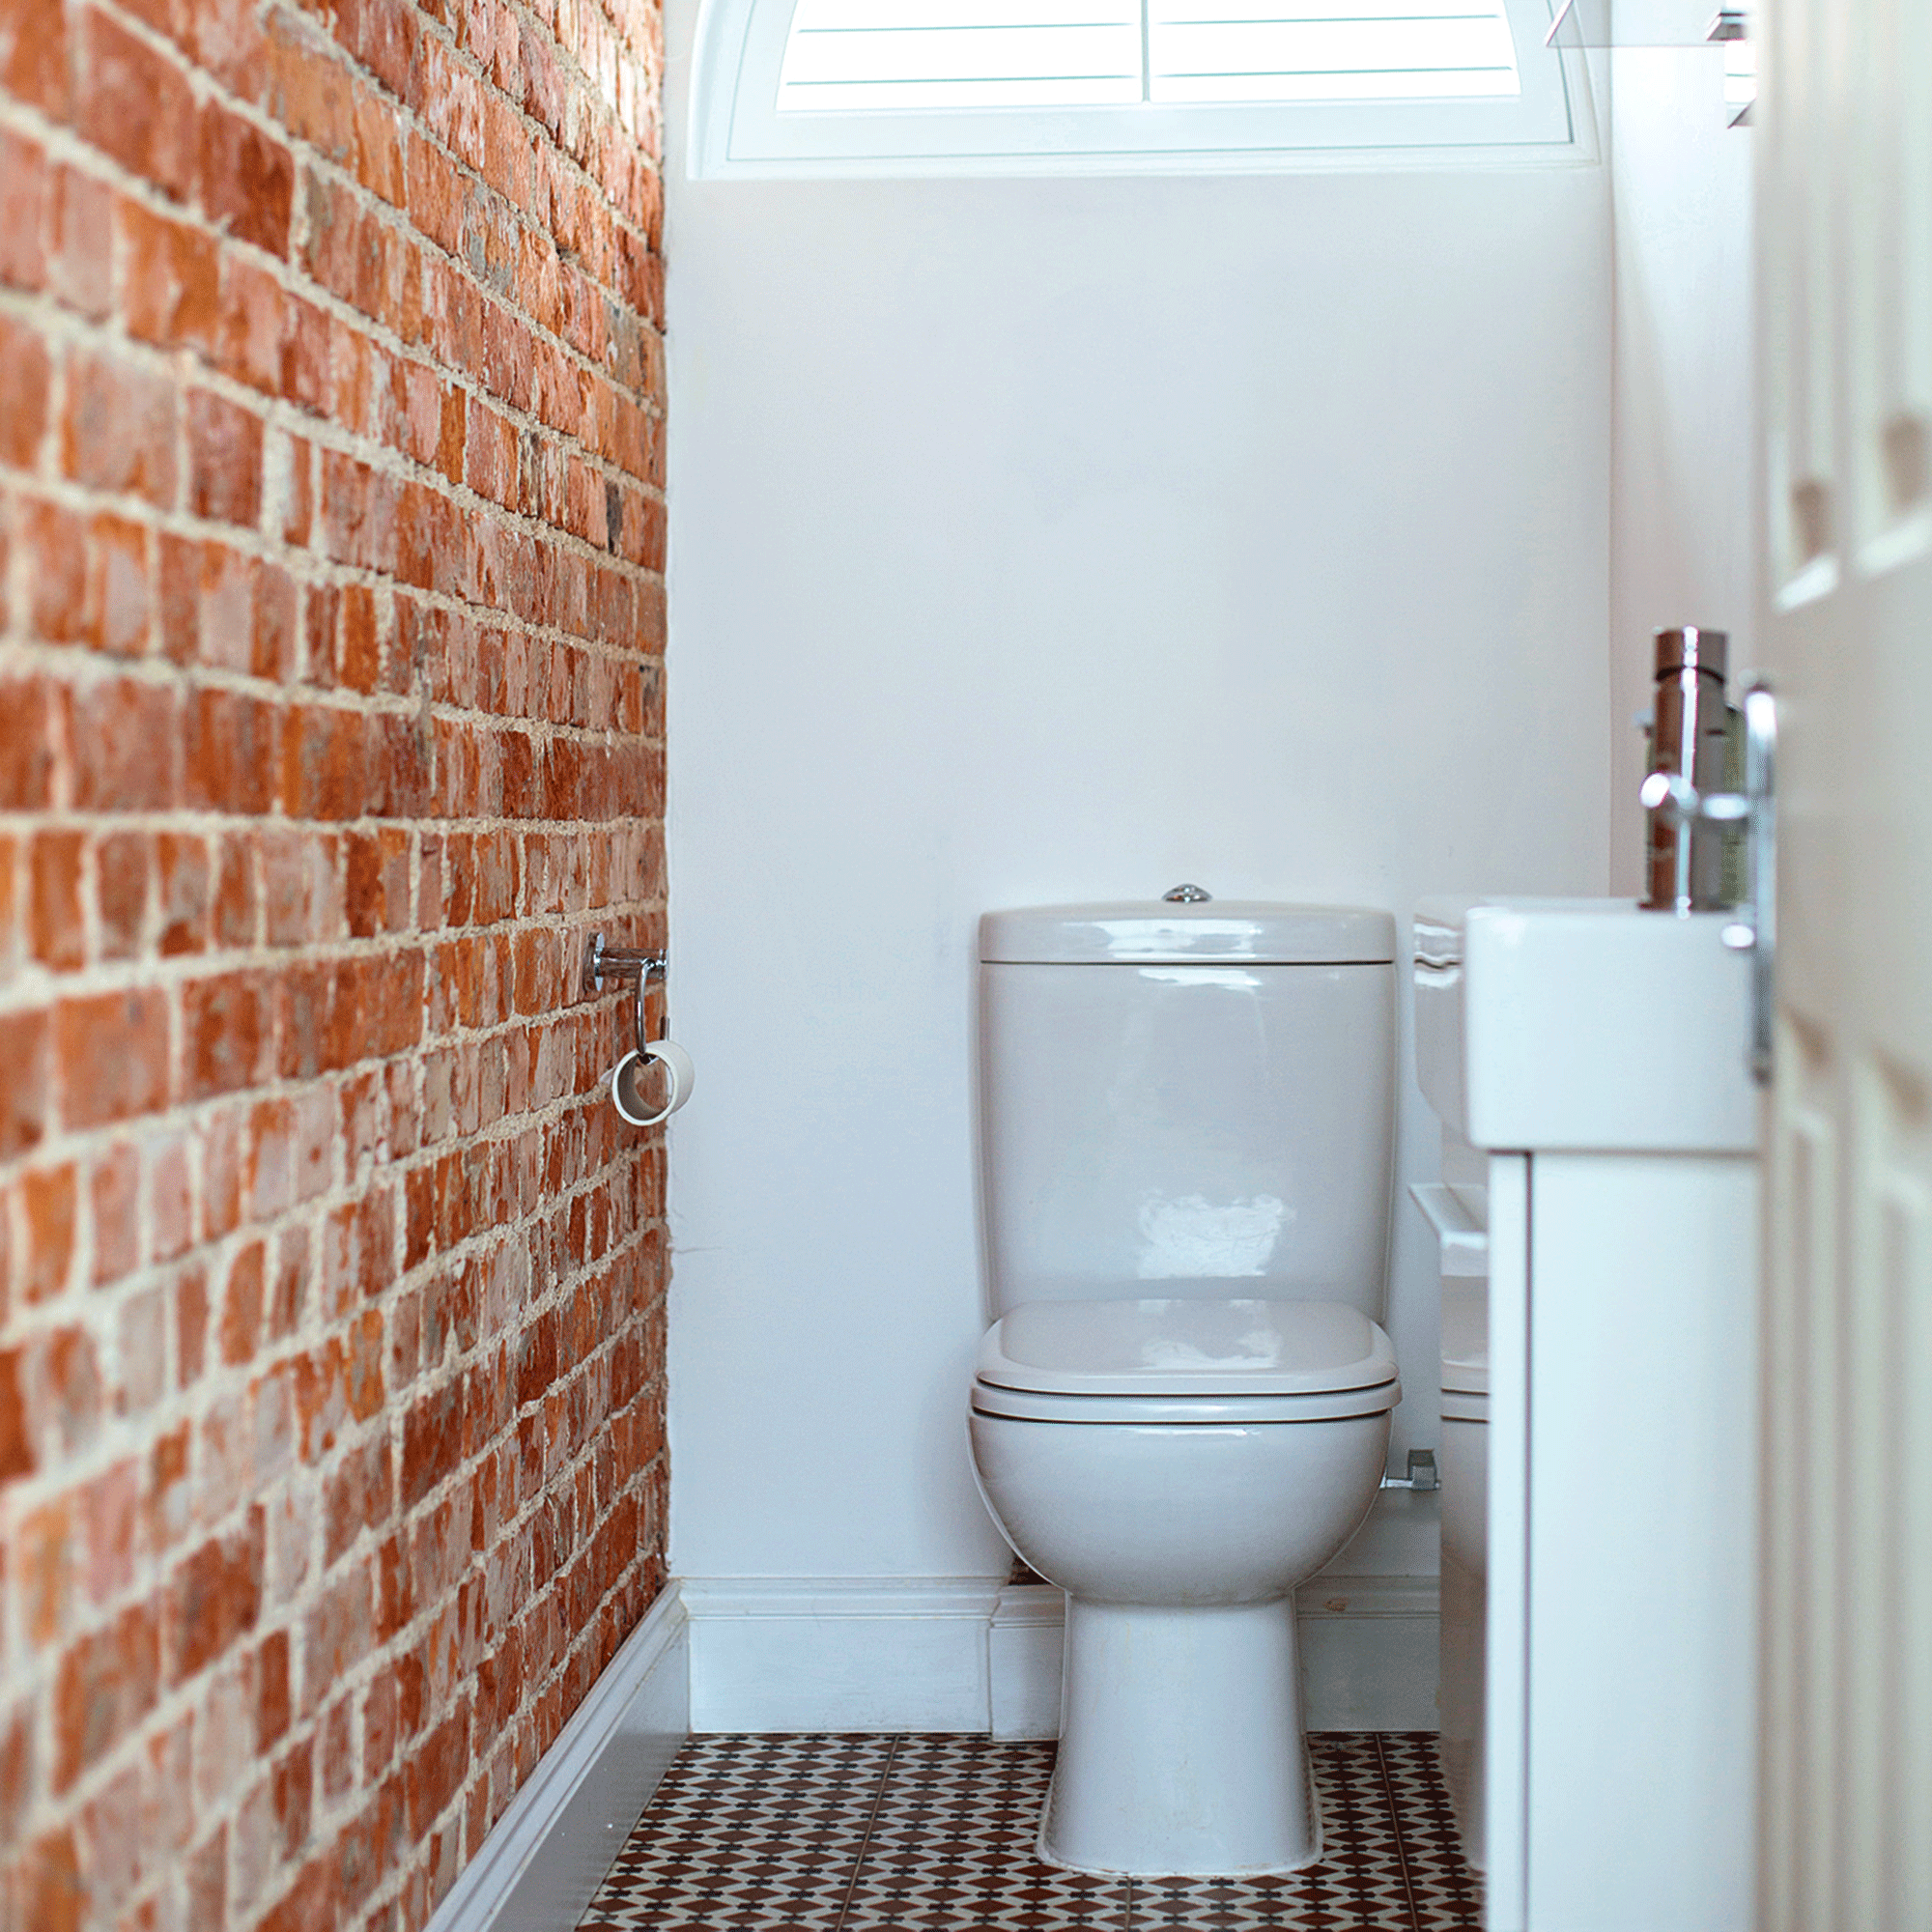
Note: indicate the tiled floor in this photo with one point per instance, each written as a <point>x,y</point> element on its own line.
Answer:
<point>936,1834</point>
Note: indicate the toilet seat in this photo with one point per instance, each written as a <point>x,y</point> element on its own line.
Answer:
<point>1036,1406</point>
<point>1147,1359</point>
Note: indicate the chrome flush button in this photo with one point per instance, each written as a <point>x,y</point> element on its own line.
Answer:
<point>1187,896</point>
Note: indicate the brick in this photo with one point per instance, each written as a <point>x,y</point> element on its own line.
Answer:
<point>309,91</point>
<point>110,1510</point>
<point>324,762</point>
<point>247,179</point>
<point>215,1597</point>
<point>17,1441</point>
<point>205,1883</point>
<point>81,256</point>
<point>190,1298</point>
<point>106,1684</point>
<point>23,256</point>
<point>304,372</point>
<point>27,761</point>
<point>236,902</point>
<point>435,1771</point>
<point>357,1253</point>
<point>377,896</point>
<point>25,372</point>
<point>273,1707</point>
<point>136,105</point>
<point>119,432</point>
<point>296,496</point>
<point>59,913</point>
<point>124,736</point>
<point>114,1202</point>
<point>227,608</point>
<point>121,893</point>
<point>23,1081</point>
<point>332,1016</point>
<point>228,742</point>
<point>50,1893</point>
<point>173,292</point>
<point>302,887</point>
<point>34,55</point>
<point>184,888</point>
<point>252,326</point>
<point>432,1442</point>
<point>224,443</point>
<point>49,1200</point>
<point>89,579</point>
<point>312,1904</point>
<point>170,1195</point>
<point>112,1051</point>
<point>227,1033</point>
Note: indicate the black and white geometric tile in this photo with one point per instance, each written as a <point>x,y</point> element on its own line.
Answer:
<point>935,1833</point>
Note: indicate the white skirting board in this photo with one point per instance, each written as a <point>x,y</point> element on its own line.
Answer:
<point>1369,1655</point>
<point>840,1654</point>
<point>549,1852</point>
<point>968,1654</point>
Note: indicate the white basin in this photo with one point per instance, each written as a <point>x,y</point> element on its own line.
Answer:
<point>1572,1024</point>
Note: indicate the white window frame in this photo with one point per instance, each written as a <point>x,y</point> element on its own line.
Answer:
<point>736,128</point>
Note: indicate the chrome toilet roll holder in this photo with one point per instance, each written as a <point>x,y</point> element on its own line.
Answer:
<point>624,963</point>
<point>627,964</point>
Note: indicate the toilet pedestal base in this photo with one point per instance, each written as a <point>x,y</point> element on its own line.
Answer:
<point>1180,1747</point>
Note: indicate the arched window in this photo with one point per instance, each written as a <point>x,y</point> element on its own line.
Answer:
<point>1025,86</point>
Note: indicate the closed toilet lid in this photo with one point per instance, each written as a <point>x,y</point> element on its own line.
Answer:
<point>1174,1346</point>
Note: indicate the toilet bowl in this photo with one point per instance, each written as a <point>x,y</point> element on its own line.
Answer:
<point>1179,1509</point>
<point>1181,1408</point>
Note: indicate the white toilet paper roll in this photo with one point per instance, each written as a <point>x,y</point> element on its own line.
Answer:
<point>628,1076</point>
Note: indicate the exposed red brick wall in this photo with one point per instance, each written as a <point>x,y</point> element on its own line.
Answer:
<point>331,1464</point>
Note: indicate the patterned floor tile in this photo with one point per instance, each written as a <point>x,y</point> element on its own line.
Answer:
<point>1388,1863</point>
<point>938,1834</point>
<point>748,1834</point>
<point>953,1847</point>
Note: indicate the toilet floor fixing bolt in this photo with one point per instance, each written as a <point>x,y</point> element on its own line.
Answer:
<point>1422,1474</point>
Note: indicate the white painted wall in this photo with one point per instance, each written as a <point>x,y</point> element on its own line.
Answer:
<point>1039,540</point>
<point>1682,528</point>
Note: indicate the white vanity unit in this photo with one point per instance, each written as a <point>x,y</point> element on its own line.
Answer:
<point>1588,1062</point>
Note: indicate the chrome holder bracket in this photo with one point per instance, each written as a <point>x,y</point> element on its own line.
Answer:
<point>628,966</point>
<point>603,962</point>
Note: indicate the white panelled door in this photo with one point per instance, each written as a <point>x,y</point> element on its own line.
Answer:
<point>1845,359</point>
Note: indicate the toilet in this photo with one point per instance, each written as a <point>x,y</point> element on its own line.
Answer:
<point>1181,1408</point>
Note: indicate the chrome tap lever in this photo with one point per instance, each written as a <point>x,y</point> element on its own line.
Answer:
<point>1674,796</point>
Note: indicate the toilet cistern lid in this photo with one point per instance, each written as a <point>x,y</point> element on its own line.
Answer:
<point>1205,1347</point>
<point>1176,931</point>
